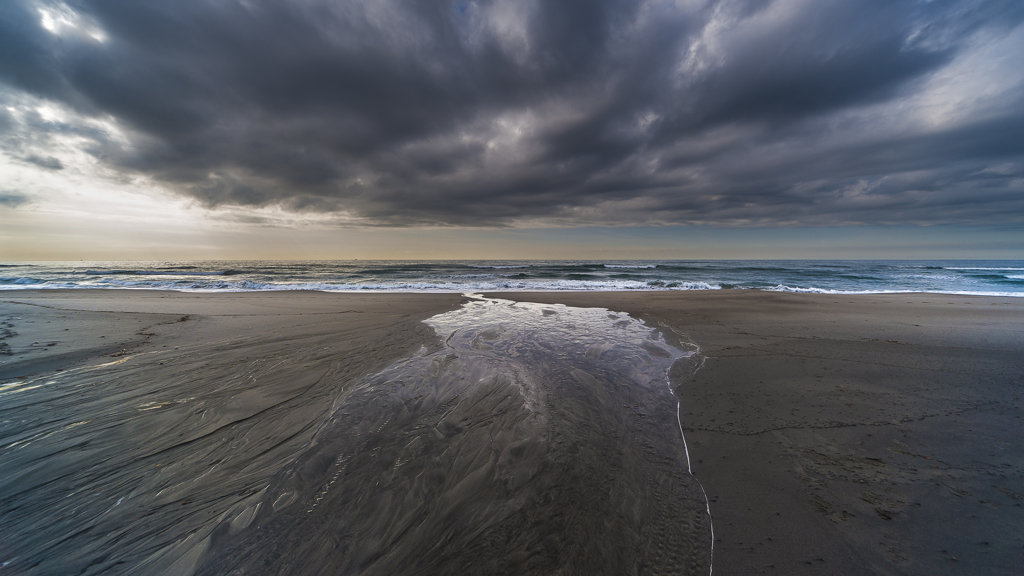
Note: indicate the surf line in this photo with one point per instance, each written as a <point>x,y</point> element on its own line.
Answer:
<point>689,467</point>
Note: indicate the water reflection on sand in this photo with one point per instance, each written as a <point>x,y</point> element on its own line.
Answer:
<point>538,439</point>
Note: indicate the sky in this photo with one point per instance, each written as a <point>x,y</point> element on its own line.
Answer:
<point>208,129</point>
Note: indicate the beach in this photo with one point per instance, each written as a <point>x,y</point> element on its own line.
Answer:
<point>830,434</point>
<point>851,434</point>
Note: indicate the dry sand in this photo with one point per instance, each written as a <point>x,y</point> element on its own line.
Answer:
<point>834,434</point>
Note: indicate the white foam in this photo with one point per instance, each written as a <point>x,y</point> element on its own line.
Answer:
<point>689,466</point>
<point>978,268</point>
<point>784,288</point>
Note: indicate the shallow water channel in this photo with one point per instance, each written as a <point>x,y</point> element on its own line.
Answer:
<point>536,439</point>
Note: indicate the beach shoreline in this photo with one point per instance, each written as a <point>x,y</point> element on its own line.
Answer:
<point>835,434</point>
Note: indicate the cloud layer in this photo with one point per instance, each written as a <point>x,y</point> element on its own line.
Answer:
<point>522,112</point>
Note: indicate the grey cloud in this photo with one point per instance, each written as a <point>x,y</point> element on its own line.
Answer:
<point>494,112</point>
<point>12,199</point>
<point>48,162</point>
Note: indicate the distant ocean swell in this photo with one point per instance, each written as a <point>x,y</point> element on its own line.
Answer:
<point>980,277</point>
<point>425,286</point>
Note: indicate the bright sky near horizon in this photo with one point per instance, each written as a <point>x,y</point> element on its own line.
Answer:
<point>205,129</point>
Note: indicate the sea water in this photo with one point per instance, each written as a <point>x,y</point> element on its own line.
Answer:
<point>979,277</point>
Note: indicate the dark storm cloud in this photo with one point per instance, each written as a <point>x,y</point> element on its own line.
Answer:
<point>570,111</point>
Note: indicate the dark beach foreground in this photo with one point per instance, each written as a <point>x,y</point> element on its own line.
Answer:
<point>835,434</point>
<point>832,434</point>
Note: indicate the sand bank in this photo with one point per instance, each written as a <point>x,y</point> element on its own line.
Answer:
<point>834,434</point>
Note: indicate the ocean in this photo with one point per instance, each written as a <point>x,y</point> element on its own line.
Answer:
<point>977,277</point>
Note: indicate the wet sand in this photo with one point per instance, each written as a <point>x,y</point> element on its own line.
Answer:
<point>134,423</point>
<point>869,434</point>
<point>834,435</point>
